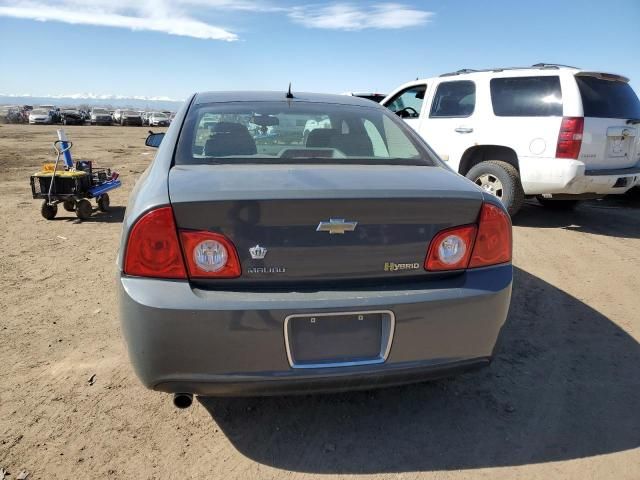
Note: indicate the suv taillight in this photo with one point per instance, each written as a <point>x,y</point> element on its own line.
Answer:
<point>570,137</point>
<point>471,246</point>
<point>155,250</point>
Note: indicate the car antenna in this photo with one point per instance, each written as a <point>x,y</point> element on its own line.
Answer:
<point>289,94</point>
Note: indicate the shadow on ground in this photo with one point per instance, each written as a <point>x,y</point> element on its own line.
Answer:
<point>114,215</point>
<point>613,216</point>
<point>565,384</point>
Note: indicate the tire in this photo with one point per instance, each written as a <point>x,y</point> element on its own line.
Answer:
<point>69,205</point>
<point>103,202</point>
<point>552,204</point>
<point>48,211</point>
<point>83,209</point>
<point>500,174</point>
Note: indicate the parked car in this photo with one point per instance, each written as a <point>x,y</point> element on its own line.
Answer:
<point>71,116</point>
<point>374,97</point>
<point>158,119</point>
<point>558,133</point>
<point>130,117</point>
<point>11,114</point>
<point>53,111</point>
<point>100,116</point>
<point>40,116</point>
<point>357,259</point>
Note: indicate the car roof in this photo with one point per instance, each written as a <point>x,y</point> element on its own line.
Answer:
<point>263,96</point>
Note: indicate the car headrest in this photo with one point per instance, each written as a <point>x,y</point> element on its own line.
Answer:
<point>229,139</point>
<point>320,137</point>
<point>352,144</point>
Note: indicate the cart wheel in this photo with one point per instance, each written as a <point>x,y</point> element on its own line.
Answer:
<point>103,202</point>
<point>48,211</point>
<point>83,209</point>
<point>69,205</point>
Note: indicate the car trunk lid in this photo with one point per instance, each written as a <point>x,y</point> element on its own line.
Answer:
<point>305,224</point>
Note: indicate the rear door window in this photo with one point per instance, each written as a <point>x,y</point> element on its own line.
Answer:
<point>603,98</point>
<point>526,96</point>
<point>454,100</point>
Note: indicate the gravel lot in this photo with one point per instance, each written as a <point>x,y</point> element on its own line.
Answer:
<point>561,400</point>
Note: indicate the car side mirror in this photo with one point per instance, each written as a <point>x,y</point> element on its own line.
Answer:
<point>154,139</point>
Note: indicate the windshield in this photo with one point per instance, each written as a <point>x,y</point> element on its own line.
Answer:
<point>159,115</point>
<point>607,98</point>
<point>296,132</point>
<point>40,111</point>
<point>99,111</point>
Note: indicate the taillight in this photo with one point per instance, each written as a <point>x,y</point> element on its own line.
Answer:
<point>209,255</point>
<point>471,246</point>
<point>570,137</point>
<point>451,249</point>
<point>153,249</point>
<point>493,242</point>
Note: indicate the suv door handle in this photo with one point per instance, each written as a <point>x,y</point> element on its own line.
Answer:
<point>464,129</point>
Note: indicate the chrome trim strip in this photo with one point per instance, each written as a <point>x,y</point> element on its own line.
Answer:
<point>385,341</point>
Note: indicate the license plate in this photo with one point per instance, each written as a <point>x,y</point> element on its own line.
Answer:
<point>617,146</point>
<point>338,339</point>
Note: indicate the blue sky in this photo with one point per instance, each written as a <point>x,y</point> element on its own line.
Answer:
<point>183,46</point>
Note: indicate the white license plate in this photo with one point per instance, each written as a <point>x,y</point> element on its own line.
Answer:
<point>618,146</point>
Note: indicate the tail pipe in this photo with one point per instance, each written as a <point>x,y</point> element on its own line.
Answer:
<point>182,400</point>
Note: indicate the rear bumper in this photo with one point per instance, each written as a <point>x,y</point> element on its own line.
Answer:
<point>232,343</point>
<point>571,177</point>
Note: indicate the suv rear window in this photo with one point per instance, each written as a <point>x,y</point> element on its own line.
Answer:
<point>526,96</point>
<point>607,98</point>
<point>296,132</point>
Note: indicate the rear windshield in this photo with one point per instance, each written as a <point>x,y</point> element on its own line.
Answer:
<point>296,132</point>
<point>607,98</point>
<point>526,96</point>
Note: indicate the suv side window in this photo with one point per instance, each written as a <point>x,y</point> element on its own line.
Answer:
<point>408,103</point>
<point>526,96</point>
<point>454,99</point>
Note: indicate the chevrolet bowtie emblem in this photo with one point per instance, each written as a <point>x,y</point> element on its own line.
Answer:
<point>336,225</point>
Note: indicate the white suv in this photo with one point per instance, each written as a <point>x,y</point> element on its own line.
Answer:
<point>558,133</point>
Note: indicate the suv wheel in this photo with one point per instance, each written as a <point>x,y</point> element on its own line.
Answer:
<point>500,179</point>
<point>557,204</point>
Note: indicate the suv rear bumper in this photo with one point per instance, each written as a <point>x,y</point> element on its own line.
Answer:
<point>186,340</point>
<point>571,177</point>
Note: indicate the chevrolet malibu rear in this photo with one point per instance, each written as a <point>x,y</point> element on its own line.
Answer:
<point>257,260</point>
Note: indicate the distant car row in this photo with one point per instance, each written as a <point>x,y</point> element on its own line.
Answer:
<point>49,114</point>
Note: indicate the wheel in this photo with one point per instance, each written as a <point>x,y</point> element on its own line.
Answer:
<point>500,179</point>
<point>552,204</point>
<point>83,209</point>
<point>69,205</point>
<point>48,211</point>
<point>103,202</point>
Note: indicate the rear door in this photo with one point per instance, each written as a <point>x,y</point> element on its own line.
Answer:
<point>611,139</point>
<point>448,125</point>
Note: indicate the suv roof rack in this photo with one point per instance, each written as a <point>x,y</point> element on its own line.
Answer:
<point>537,65</point>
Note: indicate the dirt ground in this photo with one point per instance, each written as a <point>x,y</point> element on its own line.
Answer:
<point>561,400</point>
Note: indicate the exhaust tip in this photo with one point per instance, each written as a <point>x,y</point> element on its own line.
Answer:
<point>182,400</point>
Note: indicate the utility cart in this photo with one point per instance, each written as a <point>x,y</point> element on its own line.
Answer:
<point>73,185</point>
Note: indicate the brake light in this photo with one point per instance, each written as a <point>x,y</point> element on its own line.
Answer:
<point>493,242</point>
<point>471,246</point>
<point>209,255</point>
<point>570,137</point>
<point>153,249</point>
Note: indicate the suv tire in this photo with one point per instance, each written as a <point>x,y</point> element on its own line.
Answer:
<point>500,179</point>
<point>552,204</point>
